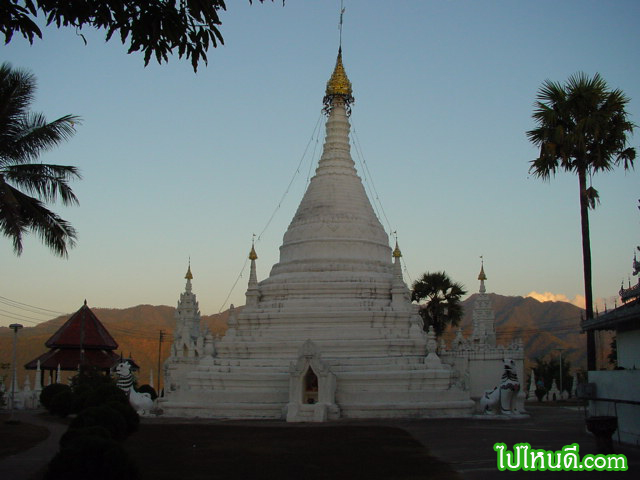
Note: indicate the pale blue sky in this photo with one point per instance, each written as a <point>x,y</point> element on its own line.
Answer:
<point>177,164</point>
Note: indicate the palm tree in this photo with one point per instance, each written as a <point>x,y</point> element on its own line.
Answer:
<point>582,127</point>
<point>25,184</point>
<point>439,300</point>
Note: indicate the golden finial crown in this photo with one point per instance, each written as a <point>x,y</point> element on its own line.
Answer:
<point>396,252</point>
<point>252,254</point>
<point>339,83</point>
<point>189,276</point>
<point>482,276</point>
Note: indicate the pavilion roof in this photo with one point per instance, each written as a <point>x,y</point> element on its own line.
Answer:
<point>82,330</point>
<point>69,359</point>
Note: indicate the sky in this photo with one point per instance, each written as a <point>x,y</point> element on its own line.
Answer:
<point>181,166</point>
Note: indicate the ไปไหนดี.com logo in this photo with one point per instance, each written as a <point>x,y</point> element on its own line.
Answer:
<point>523,457</point>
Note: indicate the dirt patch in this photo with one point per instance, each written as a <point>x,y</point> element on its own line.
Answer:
<point>170,451</point>
<point>18,436</point>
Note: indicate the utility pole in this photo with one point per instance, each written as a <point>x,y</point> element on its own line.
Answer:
<point>160,338</point>
<point>14,378</point>
<point>560,350</point>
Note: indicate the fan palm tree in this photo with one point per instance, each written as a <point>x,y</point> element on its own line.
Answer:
<point>439,299</point>
<point>582,128</point>
<point>25,184</point>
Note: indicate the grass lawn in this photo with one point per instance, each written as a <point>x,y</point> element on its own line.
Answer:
<point>18,436</point>
<point>247,452</point>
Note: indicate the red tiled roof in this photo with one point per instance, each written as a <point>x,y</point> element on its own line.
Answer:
<point>83,328</point>
<point>69,359</point>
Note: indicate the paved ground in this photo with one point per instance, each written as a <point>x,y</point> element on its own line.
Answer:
<point>29,464</point>
<point>466,444</point>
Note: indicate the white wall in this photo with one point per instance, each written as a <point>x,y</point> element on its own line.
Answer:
<point>628,348</point>
<point>619,385</point>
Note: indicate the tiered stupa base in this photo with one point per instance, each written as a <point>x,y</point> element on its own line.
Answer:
<point>366,366</point>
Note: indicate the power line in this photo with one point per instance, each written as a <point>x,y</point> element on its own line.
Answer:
<point>28,308</point>
<point>258,238</point>
<point>356,143</point>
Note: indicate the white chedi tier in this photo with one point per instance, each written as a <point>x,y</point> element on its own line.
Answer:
<point>331,332</point>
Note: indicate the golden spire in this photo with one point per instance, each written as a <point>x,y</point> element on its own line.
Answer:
<point>252,254</point>
<point>482,276</point>
<point>339,83</point>
<point>396,251</point>
<point>189,275</point>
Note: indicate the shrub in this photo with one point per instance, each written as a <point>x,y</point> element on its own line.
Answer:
<point>50,391</point>
<point>103,394</point>
<point>130,416</point>
<point>72,434</point>
<point>102,416</point>
<point>90,377</point>
<point>85,383</point>
<point>91,457</point>
<point>62,403</point>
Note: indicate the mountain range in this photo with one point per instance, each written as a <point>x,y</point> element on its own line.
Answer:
<point>543,327</point>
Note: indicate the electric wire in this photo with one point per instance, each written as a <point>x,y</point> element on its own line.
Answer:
<point>360,154</point>
<point>27,307</point>
<point>258,238</point>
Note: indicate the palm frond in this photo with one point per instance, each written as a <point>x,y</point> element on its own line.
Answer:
<point>28,214</point>
<point>49,182</point>
<point>593,198</point>
<point>36,135</point>
<point>23,137</point>
<point>580,126</point>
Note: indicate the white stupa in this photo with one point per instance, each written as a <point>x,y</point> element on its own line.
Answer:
<point>331,332</point>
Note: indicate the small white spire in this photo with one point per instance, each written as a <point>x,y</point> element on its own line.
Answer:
<point>253,292</point>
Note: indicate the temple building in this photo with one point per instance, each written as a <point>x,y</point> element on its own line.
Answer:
<point>479,357</point>
<point>331,332</point>
<point>619,390</point>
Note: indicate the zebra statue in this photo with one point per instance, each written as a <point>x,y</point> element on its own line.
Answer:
<point>141,402</point>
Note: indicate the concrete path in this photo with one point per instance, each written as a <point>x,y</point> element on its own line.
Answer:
<point>30,464</point>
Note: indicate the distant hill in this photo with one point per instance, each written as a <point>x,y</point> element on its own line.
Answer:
<point>543,327</point>
<point>136,329</point>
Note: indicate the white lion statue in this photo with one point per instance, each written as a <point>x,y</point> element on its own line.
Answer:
<point>502,399</point>
<point>141,402</point>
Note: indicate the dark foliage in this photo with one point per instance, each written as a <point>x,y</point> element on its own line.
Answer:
<point>155,27</point>
<point>131,417</point>
<point>27,185</point>
<point>50,391</point>
<point>94,457</point>
<point>62,403</point>
<point>102,416</point>
<point>613,354</point>
<point>549,370</point>
<point>91,388</point>
<point>104,394</point>
<point>440,300</point>
<point>72,434</point>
